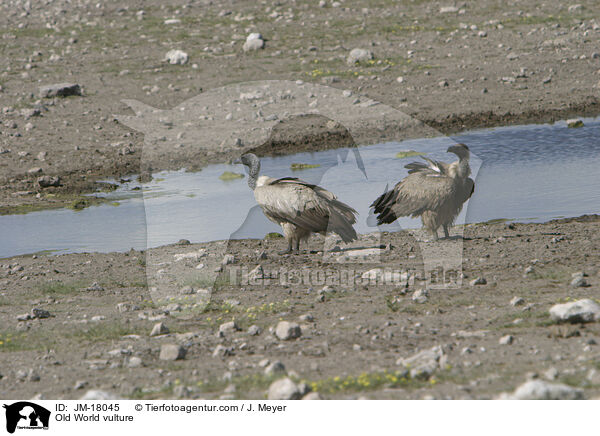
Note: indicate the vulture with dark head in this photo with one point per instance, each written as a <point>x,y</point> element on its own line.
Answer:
<point>433,190</point>
<point>300,208</point>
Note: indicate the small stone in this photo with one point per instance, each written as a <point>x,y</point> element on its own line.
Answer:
<point>95,287</point>
<point>551,374</point>
<point>541,390</point>
<point>228,327</point>
<point>222,351</point>
<point>478,281</point>
<point>284,389</point>
<point>312,396</point>
<point>506,340</point>
<point>307,317</point>
<point>275,368</point>
<point>172,352</point>
<point>30,113</point>
<point>517,301</point>
<point>359,55</point>
<point>575,8</point>
<point>254,42</point>
<point>33,376</point>
<point>254,330</point>
<point>585,310</point>
<point>40,313</point>
<point>134,362</point>
<point>159,329</point>
<point>80,384</point>
<point>448,9</point>
<point>93,395</point>
<point>47,181</point>
<point>443,83</point>
<point>60,90</point>
<point>579,282</point>
<point>420,296</point>
<point>176,57</point>
<point>35,170</point>
<point>287,330</point>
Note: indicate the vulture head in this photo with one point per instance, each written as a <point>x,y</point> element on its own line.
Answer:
<point>461,150</point>
<point>253,163</point>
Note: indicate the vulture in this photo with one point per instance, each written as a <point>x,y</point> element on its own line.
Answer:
<point>433,190</point>
<point>299,207</point>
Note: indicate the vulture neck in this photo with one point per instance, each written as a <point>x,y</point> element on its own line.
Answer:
<point>460,169</point>
<point>253,171</point>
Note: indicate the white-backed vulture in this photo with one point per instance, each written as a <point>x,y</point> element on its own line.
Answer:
<point>435,191</point>
<point>299,207</point>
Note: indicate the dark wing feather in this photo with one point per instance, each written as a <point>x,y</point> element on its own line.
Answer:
<point>415,194</point>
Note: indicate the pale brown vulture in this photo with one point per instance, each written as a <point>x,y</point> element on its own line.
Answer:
<point>435,191</point>
<point>300,208</point>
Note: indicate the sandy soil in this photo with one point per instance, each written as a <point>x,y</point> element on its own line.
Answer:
<point>352,336</point>
<point>477,66</point>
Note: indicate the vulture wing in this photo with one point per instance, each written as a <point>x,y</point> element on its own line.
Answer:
<point>432,166</point>
<point>416,193</point>
<point>307,206</point>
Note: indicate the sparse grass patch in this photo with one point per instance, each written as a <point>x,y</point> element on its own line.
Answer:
<point>105,331</point>
<point>301,166</point>
<point>273,235</point>
<point>368,381</point>
<point>12,340</point>
<point>408,153</point>
<point>60,288</point>
<point>228,176</point>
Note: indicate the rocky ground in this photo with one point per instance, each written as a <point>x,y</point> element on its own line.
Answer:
<point>79,322</point>
<point>450,66</point>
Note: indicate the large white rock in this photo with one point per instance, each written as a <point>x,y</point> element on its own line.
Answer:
<point>585,310</point>
<point>254,41</point>
<point>359,55</point>
<point>541,390</point>
<point>424,363</point>
<point>176,57</point>
<point>287,330</point>
<point>99,395</point>
<point>284,389</point>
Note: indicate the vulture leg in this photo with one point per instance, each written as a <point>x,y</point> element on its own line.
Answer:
<point>288,251</point>
<point>297,247</point>
<point>446,233</point>
<point>435,235</point>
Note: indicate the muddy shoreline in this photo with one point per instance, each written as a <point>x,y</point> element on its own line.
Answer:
<point>304,134</point>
